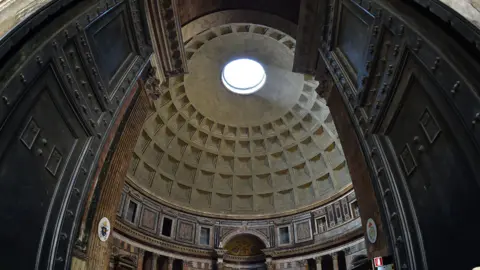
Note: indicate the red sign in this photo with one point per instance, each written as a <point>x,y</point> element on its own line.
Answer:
<point>378,261</point>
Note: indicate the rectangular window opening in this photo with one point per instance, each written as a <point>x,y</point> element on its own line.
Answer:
<point>284,235</point>
<point>205,236</point>
<point>131,211</point>
<point>167,227</point>
<point>356,211</point>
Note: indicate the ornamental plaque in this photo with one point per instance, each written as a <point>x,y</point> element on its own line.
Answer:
<point>104,229</point>
<point>371,231</point>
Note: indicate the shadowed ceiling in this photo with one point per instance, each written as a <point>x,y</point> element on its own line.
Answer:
<point>192,9</point>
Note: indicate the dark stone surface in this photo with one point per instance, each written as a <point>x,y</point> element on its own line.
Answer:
<point>192,9</point>
<point>359,171</point>
<point>59,102</point>
<point>415,110</point>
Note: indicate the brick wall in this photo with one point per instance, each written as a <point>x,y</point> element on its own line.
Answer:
<point>359,171</point>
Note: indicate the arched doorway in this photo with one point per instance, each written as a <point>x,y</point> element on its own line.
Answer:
<point>244,251</point>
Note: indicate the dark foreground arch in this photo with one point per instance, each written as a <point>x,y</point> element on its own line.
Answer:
<point>405,90</point>
<point>66,74</point>
<point>406,75</point>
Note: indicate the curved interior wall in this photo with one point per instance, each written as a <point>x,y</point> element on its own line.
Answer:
<point>207,151</point>
<point>13,12</point>
<point>326,229</point>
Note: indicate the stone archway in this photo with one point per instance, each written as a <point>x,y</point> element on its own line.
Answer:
<point>242,250</point>
<point>399,104</point>
<point>243,231</point>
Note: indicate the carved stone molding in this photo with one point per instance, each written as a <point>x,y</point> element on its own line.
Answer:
<point>167,37</point>
<point>244,230</point>
<point>168,246</point>
<point>302,263</point>
<point>220,252</point>
<point>244,259</point>
<point>154,87</point>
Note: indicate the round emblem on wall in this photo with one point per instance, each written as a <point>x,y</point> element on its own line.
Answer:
<point>371,231</point>
<point>104,229</point>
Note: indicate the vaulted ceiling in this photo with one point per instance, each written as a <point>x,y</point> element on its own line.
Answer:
<point>192,9</point>
<point>213,152</point>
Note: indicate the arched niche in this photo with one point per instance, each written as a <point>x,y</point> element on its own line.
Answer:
<point>234,234</point>
<point>244,245</point>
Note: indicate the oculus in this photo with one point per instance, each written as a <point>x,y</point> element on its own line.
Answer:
<point>243,76</point>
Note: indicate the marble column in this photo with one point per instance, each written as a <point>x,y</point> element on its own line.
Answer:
<point>302,264</point>
<point>185,265</point>
<point>269,264</point>
<point>141,255</point>
<point>220,265</point>
<point>111,264</point>
<point>335,261</point>
<point>220,253</point>
<point>154,261</point>
<point>170,263</point>
<point>318,261</point>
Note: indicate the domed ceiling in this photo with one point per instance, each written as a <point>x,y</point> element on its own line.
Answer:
<point>210,151</point>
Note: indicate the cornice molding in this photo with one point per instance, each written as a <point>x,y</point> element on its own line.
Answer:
<point>158,243</point>
<point>167,36</point>
<point>343,241</point>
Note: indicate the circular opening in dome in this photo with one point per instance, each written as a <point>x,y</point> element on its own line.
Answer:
<point>243,76</point>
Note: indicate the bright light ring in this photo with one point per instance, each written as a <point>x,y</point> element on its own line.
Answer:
<point>243,76</point>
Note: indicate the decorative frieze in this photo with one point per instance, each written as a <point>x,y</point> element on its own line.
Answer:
<point>186,228</point>
<point>167,37</point>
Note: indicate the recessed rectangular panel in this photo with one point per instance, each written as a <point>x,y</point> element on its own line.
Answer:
<point>111,44</point>
<point>430,145</point>
<point>185,231</point>
<point>149,219</point>
<point>353,36</point>
<point>303,231</point>
<point>84,89</point>
<point>41,147</point>
<point>429,125</point>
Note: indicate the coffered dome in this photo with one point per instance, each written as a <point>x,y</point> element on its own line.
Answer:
<point>209,150</point>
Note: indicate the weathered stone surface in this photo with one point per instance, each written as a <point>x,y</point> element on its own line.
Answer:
<point>192,9</point>
<point>13,12</point>
<point>470,9</point>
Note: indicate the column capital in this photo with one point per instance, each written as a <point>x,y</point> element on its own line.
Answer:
<point>318,262</point>
<point>140,258</point>
<point>302,262</point>
<point>270,265</point>
<point>170,263</point>
<point>220,252</point>
<point>335,260</point>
